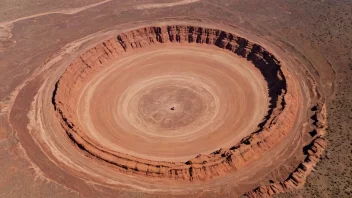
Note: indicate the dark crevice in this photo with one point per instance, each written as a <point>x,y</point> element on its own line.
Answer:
<point>106,47</point>
<point>84,62</point>
<point>53,101</point>
<point>122,43</point>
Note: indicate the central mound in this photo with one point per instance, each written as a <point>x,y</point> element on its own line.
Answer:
<point>171,107</point>
<point>179,103</point>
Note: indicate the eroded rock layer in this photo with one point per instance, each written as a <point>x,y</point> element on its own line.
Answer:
<point>276,124</point>
<point>313,151</point>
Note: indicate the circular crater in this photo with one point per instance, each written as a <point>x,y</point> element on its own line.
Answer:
<point>160,97</point>
<point>186,104</point>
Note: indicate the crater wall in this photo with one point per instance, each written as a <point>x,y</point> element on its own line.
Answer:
<point>278,122</point>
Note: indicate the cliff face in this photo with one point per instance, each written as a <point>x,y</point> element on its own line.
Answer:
<point>278,122</point>
<point>298,177</point>
<point>313,151</point>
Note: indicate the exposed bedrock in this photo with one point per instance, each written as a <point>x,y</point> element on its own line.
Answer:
<point>276,124</point>
<point>298,177</point>
<point>313,151</point>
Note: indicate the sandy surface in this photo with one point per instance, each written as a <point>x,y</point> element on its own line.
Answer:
<point>106,107</point>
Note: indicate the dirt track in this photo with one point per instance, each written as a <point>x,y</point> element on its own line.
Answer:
<point>169,109</point>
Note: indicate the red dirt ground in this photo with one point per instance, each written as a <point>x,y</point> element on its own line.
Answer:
<point>149,106</point>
